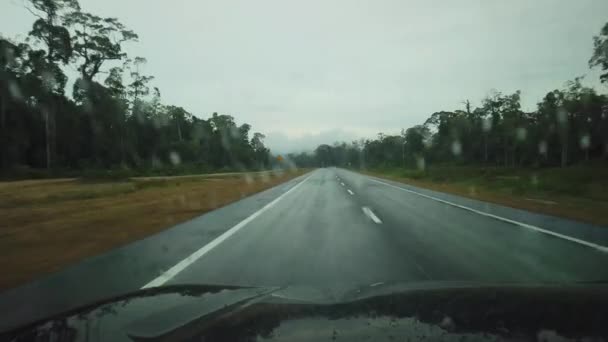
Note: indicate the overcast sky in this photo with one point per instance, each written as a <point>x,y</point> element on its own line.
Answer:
<point>316,71</point>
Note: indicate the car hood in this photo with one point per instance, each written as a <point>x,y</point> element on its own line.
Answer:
<point>443,310</point>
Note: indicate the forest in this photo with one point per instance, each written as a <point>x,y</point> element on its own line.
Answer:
<point>113,118</point>
<point>569,126</point>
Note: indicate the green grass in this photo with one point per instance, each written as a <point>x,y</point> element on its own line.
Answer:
<point>577,192</point>
<point>584,181</point>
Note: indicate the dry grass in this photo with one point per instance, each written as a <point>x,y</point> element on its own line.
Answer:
<point>48,224</point>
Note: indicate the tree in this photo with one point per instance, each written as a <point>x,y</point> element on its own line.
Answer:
<point>56,39</point>
<point>261,152</point>
<point>96,41</point>
<point>47,29</point>
<point>414,144</point>
<point>600,52</point>
<point>138,87</point>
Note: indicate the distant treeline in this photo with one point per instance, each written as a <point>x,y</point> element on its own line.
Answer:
<point>113,118</point>
<point>569,126</point>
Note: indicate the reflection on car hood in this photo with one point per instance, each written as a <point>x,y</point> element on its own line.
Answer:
<point>444,310</point>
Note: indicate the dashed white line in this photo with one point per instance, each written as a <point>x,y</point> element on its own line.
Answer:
<point>367,211</point>
<point>173,271</point>
<point>503,219</point>
<point>350,192</point>
<point>342,184</point>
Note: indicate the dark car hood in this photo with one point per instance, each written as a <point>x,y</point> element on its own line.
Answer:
<point>444,310</point>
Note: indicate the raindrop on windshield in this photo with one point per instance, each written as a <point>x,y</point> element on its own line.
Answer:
<point>420,163</point>
<point>585,141</point>
<point>486,124</point>
<point>542,147</point>
<point>248,178</point>
<point>562,116</point>
<point>14,90</point>
<point>456,148</point>
<point>175,158</point>
<point>521,134</point>
<point>534,180</point>
<point>265,177</point>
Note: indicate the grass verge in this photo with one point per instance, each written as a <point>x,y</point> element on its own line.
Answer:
<point>578,192</point>
<point>49,224</point>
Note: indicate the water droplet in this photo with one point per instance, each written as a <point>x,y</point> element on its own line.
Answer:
<point>32,101</point>
<point>456,148</point>
<point>534,180</point>
<point>420,163</point>
<point>542,147</point>
<point>265,177</point>
<point>486,124</point>
<point>562,116</point>
<point>521,133</point>
<point>174,158</point>
<point>585,141</point>
<point>14,90</point>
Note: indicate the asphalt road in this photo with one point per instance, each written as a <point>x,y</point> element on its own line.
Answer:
<point>332,227</point>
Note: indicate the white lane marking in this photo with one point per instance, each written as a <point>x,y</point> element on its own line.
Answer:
<point>342,184</point>
<point>503,219</point>
<point>173,271</point>
<point>376,284</point>
<point>350,192</point>
<point>367,211</point>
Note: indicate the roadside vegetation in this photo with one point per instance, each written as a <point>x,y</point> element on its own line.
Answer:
<point>108,120</point>
<point>553,159</point>
<point>577,192</point>
<point>77,111</point>
<point>49,224</point>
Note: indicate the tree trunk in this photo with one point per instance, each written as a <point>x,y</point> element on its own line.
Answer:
<point>47,139</point>
<point>179,131</point>
<point>122,148</point>
<point>564,154</point>
<point>485,147</point>
<point>4,159</point>
<point>2,114</point>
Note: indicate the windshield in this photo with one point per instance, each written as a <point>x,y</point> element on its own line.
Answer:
<point>323,144</point>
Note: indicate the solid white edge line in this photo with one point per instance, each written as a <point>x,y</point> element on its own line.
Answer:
<point>350,192</point>
<point>517,223</point>
<point>367,211</point>
<point>180,266</point>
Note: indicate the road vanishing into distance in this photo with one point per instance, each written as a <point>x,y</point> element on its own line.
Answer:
<point>326,229</point>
